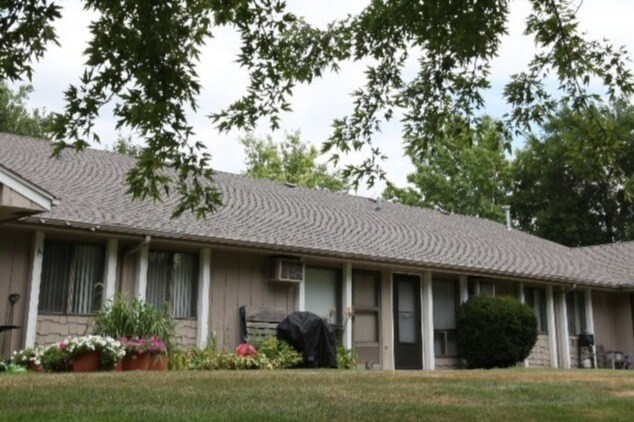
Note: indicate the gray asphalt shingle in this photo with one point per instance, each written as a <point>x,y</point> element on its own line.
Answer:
<point>258,213</point>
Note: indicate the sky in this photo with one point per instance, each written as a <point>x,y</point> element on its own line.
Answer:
<point>314,106</point>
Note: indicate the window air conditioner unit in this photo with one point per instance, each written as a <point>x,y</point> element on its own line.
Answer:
<point>286,270</point>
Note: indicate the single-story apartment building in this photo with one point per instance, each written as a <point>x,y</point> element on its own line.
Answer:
<point>391,275</point>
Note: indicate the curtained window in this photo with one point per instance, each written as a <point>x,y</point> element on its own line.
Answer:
<point>72,278</point>
<point>323,293</point>
<point>536,299</point>
<point>445,299</point>
<point>172,279</point>
<point>576,308</point>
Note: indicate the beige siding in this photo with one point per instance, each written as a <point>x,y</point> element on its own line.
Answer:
<point>12,199</point>
<point>55,328</point>
<point>15,259</point>
<point>613,321</point>
<point>448,363</point>
<point>238,280</point>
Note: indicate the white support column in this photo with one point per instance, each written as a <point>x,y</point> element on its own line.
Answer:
<point>204,286</point>
<point>552,330</point>
<point>37,256</point>
<point>590,323</point>
<point>140,284</point>
<point>110,273</point>
<point>301,296</point>
<point>464,289</point>
<point>427,323</point>
<point>387,321</point>
<point>520,293</point>
<point>564,337</point>
<point>347,305</point>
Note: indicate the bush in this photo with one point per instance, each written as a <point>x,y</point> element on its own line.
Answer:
<point>120,318</point>
<point>271,354</point>
<point>346,358</point>
<point>55,359</point>
<point>495,332</point>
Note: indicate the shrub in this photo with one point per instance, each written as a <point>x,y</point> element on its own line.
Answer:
<point>346,358</point>
<point>271,354</point>
<point>120,318</point>
<point>55,359</point>
<point>495,332</point>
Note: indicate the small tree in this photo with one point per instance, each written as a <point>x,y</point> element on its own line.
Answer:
<point>495,332</point>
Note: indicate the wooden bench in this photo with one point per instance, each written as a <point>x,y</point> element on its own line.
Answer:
<point>259,322</point>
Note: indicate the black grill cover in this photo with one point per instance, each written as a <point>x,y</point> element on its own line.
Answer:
<point>311,336</point>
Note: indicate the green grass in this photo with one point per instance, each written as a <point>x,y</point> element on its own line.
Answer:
<point>505,395</point>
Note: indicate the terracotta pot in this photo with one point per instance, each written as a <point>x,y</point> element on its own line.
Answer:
<point>158,362</point>
<point>136,362</point>
<point>118,366</point>
<point>87,362</point>
<point>33,367</point>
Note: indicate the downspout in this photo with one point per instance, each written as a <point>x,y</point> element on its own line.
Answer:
<point>144,242</point>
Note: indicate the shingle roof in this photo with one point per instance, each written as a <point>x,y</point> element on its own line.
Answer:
<point>615,258</point>
<point>258,213</point>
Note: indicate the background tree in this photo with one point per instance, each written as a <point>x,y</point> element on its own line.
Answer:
<point>15,116</point>
<point>143,55</point>
<point>467,171</point>
<point>292,160</point>
<point>123,145</point>
<point>575,184</point>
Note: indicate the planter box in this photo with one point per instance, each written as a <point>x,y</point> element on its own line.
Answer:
<point>87,362</point>
<point>158,362</point>
<point>136,362</point>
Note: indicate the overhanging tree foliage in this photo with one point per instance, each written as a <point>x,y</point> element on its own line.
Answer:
<point>143,57</point>
<point>292,160</point>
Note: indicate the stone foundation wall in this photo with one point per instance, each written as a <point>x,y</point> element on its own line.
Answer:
<point>186,332</point>
<point>55,328</point>
<point>574,352</point>
<point>540,355</point>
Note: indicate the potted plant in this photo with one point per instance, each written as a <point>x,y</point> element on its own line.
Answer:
<point>158,354</point>
<point>30,358</point>
<point>136,356</point>
<point>54,358</point>
<point>91,353</point>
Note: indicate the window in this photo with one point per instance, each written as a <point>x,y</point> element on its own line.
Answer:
<point>72,278</point>
<point>445,298</point>
<point>365,300</point>
<point>323,293</point>
<point>536,299</point>
<point>172,279</point>
<point>477,287</point>
<point>576,308</point>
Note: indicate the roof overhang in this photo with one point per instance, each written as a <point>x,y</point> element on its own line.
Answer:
<point>20,197</point>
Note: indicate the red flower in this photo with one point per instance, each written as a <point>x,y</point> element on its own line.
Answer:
<point>246,349</point>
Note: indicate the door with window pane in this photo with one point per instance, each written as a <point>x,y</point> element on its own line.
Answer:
<point>408,347</point>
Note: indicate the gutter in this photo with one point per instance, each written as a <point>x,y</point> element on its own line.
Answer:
<point>295,250</point>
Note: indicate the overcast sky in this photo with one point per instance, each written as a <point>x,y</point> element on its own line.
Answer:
<point>314,106</point>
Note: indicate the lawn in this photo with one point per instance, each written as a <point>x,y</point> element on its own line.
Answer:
<point>514,395</point>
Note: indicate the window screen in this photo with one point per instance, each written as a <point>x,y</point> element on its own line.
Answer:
<point>172,279</point>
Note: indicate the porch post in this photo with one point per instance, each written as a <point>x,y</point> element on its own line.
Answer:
<point>301,296</point>
<point>464,289</point>
<point>140,284</point>
<point>564,336</point>
<point>387,321</point>
<point>590,323</point>
<point>427,323</point>
<point>34,289</point>
<point>204,282</point>
<point>347,305</point>
<point>110,273</point>
<point>552,330</point>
